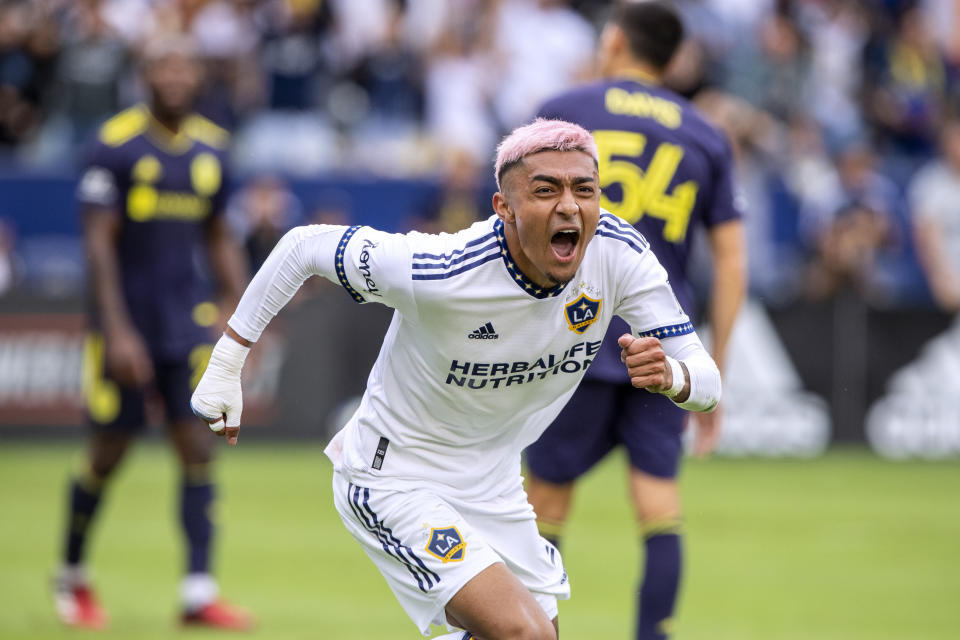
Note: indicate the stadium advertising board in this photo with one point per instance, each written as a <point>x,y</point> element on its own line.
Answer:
<point>46,367</point>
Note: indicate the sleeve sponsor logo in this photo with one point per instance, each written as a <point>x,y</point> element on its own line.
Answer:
<point>98,186</point>
<point>364,267</point>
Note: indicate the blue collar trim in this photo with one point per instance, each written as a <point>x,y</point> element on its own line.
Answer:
<point>522,281</point>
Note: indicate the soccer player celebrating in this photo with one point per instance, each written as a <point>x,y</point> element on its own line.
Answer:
<point>493,329</point>
<point>152,197</point>
<point>664,170</point>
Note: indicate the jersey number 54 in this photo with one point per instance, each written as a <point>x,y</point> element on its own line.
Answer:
<point>645,191</point>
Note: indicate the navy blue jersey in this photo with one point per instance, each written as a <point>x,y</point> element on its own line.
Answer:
<point>166,189</point>
<point>663,168</point>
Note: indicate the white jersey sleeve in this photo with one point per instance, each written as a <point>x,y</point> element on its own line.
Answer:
<point>648,304</point>
<point>375,266</point>
<point>371,265</point>
<point>644,298</point>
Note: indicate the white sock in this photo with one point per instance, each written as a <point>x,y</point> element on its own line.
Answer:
<point>73,575</point>
<point>197,590</point>
<point>458,635</point>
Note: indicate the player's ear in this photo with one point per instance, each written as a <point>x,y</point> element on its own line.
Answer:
<point>502,207</point>
<point>613,43</point>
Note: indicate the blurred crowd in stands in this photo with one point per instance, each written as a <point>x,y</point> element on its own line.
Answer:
<point>840,111</point>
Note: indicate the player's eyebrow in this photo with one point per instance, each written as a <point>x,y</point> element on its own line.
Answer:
<point>558,182</point>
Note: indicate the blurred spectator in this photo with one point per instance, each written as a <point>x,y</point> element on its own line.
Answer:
<point>935,209</point>
<point>771,70</point>
<point>741,16</point>
<point>754,141</point>
<point>391,75</point>
<point>943,20</point>
<point>360,28</point>
<point>28,54</point>
<point>463,198</point>
<point>905,89</point>
<point>706,28</point>
<point>229,43</point>
<point>837,33</point>
<point>688,73</point>
<point>457,104</point>
<point>847,238</point>
<point>260,214</point>
<point>541,47</point>
<point>809,172</point>
<point>91,70</point>
<point>135,21</point>
<point>294,54</point>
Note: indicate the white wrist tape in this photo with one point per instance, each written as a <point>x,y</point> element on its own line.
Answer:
<point>679,379</point>
<point>228,354</point>
<point>218,394</point>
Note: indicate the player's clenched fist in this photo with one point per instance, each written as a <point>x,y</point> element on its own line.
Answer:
<point>218,399</point>
<point>650,368</point>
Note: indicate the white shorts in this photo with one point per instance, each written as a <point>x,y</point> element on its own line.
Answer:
<point>428,547</point>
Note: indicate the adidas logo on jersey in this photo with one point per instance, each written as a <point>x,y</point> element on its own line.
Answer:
<point>486,332</point>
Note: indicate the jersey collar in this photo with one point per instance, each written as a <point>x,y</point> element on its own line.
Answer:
<point>173,143</point>
<point>641,77</point>
<point>522,281</point>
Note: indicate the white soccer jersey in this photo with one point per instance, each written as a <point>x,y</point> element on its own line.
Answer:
<point>478,360</point>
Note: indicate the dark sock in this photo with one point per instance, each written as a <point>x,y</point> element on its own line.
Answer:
<point>84,498</point>
<point>196,500</point>
<point>661,581</point>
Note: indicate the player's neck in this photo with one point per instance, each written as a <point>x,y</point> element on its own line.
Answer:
<point>167,123</point>
<point>637,71</point>
<point>524,264</point>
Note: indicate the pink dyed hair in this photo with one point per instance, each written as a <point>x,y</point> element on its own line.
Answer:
<point>542,135</point>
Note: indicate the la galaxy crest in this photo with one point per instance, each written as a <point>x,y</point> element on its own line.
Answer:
<point>582,312</point>
<point>447,544</point>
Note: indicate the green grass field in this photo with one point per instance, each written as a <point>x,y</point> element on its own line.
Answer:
<point>844,547</point>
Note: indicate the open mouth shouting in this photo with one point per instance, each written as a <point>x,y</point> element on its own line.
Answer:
<point>564,243</point>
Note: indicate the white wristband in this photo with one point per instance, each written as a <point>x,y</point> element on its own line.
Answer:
<point>679,379</point>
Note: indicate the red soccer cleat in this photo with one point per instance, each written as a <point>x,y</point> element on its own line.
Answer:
<point>219,614</point>
<point>77,607</point>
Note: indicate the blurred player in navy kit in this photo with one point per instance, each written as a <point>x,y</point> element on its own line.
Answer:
<point>665,170</point>
<point>152,194</point>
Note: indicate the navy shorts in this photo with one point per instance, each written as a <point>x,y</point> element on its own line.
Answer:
<point>113,407</point>
<point>602,415</point>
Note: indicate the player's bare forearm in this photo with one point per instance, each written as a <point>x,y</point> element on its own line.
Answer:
<point>126,355</point>
<point>236,337</point>
<point>228,263</point>
<point>729,289</point>
<point>100,232</point>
